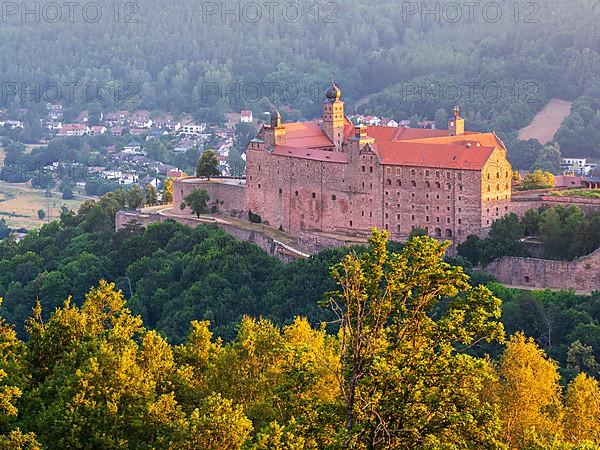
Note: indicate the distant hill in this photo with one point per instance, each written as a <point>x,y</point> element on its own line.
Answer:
<point>183,57</point>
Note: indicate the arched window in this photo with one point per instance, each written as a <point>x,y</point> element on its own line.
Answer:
<point>438,185</point>
<point>427,184</point>
<point>389,182</point>
<point>398,183</point>
<point>438,232</point>
<point>413,183</point>
<point>448,233</point>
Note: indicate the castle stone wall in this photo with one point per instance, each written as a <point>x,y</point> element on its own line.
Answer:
<point>228,194</point>
<point>582,274</point>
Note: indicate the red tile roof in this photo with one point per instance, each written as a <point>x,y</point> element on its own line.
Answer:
<point>432,148</point>
<point>305,135</point>
<point>305,153</point>
<point>432,155</point>
<point>394,146</point>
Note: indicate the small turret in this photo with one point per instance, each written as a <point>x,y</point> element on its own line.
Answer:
<point>456,124</point>
<point>275,119</point>
<point>278,129</point>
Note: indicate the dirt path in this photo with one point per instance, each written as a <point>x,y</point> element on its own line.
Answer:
<point>546,123</point>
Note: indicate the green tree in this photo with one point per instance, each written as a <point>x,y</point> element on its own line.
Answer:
<point>150,195</point>
<point>537,179</point>
<point>41,214</point>
<point>197,201</point>
<point>403,380</point>
<point>208,165</point>
<point>471,249</point>
<point>559,227</point>
<point>167,191</point>
<point>4,229</point>
<point>441,119</point>
<point>549,158</point>
<point>135,197</point>
<point>504,239</point>
<point>67,193</point>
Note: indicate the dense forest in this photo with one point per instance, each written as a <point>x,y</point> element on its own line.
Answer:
<point>402,371</point>
<point>171,275</point>
<point>501,64</point>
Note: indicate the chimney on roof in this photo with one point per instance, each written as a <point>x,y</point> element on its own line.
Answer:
<point>456,124</point>
<point>360,131</point>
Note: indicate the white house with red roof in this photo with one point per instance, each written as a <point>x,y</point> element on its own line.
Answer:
<point>96,130</point>
<point>73,129</point>
<point>246,116</point>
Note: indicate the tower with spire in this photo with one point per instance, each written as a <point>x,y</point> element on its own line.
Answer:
<point>456,124</point>
<point>333,116</point>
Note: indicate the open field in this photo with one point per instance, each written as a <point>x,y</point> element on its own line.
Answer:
<point>546,123</point>
<point>19,205</point>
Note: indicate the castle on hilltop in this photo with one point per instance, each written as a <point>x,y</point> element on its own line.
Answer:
<point>333,176</point>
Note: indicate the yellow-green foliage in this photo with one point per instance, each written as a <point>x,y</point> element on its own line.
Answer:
<point>397,374</point>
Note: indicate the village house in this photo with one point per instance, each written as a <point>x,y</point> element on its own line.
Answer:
<point>167,122</point>
<point>73,129</point>
<point>192,129</point>
<point>388,123</point>
<point>140,119</point>
<point>54,125</point>
<point>246,116</point>
<point>117,131</point>
<point>96,130</point>
<point>113,119</point>
<point>55,112</point>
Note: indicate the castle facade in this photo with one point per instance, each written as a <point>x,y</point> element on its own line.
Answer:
<point>333,176</point>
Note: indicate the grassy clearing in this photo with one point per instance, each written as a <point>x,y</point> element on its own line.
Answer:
<point>547,122</point>
<point>19,205</point>
<point>584,193</point>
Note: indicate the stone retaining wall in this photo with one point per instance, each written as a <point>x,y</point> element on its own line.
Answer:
<point>275,248</point>
<point>582,274</point>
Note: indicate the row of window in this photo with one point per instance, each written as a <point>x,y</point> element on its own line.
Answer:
<point>334,197</point>
<point>427,172</point>
<point>489,188</point>
<point>437,232</point>
<point>506,175</point>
